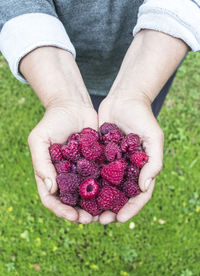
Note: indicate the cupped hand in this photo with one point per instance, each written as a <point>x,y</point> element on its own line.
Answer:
<point>135,116</point>
<point>55,127</point>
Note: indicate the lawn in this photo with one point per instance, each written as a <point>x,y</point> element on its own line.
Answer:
<point>163,239</point>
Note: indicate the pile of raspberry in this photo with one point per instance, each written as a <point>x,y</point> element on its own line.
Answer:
<point>98,171</point>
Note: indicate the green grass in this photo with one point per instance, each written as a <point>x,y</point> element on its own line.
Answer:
<point>35,242</point>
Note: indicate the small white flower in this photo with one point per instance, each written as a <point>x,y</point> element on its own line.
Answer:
<point>132,225</point>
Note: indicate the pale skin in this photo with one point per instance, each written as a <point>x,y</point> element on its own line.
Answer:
<point>53,74</point>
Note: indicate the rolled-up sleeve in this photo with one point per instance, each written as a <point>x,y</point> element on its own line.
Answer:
<point>178,18</point>
<point>29,25</point>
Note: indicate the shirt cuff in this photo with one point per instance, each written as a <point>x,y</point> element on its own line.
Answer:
<point>173,18</point>
<point>26,32</point>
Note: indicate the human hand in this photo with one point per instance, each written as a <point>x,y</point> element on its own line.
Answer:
<point>135,116</point>
<point>55,127</point>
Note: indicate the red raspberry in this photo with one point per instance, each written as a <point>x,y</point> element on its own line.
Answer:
<point>114,135</point>
<point>130,143</point>
<point>121,202</point>
<point>68,182</point>
<point>55,153</point>
<point>130,188</point>
<point>74,137</point>
<point>89,188</point>
<point>69,199</point>
<point>71,151</point>
<point>139,159</point>
<point>63,167</point>
<point>88,168</point>
<point>91,206</point>
<point>102,158</point>
<point>132,173</point>
<point>107,127</point>
<point>114,171</point>
<point>108,197</point>
<point>90,131</point>
<point>91,152</point>
<point>105,183</point>
<point>112,151</point>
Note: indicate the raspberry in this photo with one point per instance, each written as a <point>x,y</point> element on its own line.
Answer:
<point>91,152</point>
<point>73,168</point>
<point>105,183</point>
<point>74,137</point>
<point>114,135</point>
<point>107,127</point>
<point>89,188</point>
<point>108,197</point>
<point>55,153</point>
<point>90,131</point>
<point>88,168</point>
<point>71,151</point>
<point>68,182</point>
<point>69,199</point>
<point>112,151</point>
<point>130,143</point>
<point>91,206</point>
<point>130,188</point>
<point>132,173</point>
<point>102,158</point>
<point>63,167</point>
<point>121,202</point>
<point>139,159</point>
<point>114,171</point>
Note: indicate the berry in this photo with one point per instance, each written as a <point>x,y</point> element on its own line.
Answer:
<point>107,127</point>
<point>130,143</point>
<point>114,171</point>
<point>73,168</point>
<point>114,135</point>
<point>90,131</point>
<point>91,206</point>
<point>91,152</point>
<point>132,172</point>
<point>74,137</point>
<point>121,202</point>
<point>108,197</point>
<point>139,159</point>
<point>63,167</point>
<point>68,182</point>
<point>55,153</point>
<point>105,183</point>
<point>112,151</point>
<point>130,188</point>
<point>88,168</point>
<point>102,158</point>
<point>69,199</point>
<point>71,151</point>
<point>89,188</point>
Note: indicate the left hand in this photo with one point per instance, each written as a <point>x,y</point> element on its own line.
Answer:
<point>135,116</point>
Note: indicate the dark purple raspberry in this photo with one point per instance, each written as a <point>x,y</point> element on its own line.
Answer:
<point>107,127</point>
<point>139,159</point>
<point>55,153</point>
<point>130,143</point>
<point>91,206</point>
<point>69,199</point>
<point>73,168</point>
<point>102,158</point>
<point>121,202</point>
<point>71,151</point>
<point>108,197</point>
<point>89,188</point>
<point>112,151</point>
<point>132,172</point>
<point>130,188</point>
<point>68,182</point>
<point>114,171</point>
<point>115,135</point>
<point>105,183</point>
<point>63,167</point>
<point>88,168</point>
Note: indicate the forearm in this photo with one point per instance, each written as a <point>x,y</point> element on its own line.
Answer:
<point>54,76</point>
<point>149,62</point>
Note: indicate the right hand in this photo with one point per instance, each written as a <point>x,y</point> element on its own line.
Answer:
<point>55,127</point>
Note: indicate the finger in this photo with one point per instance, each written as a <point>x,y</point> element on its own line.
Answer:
<point>84,217</point>
<point>42,163</point>
<point>154,149</point>
<point>135,204</point>
<point>107,217</point>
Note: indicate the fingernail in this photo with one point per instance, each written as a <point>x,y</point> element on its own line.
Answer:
<point>48,184</point>
<point>147,184</point>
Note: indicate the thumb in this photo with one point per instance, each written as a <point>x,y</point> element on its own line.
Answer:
<point>154,149</point>
<point>43,167</point>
